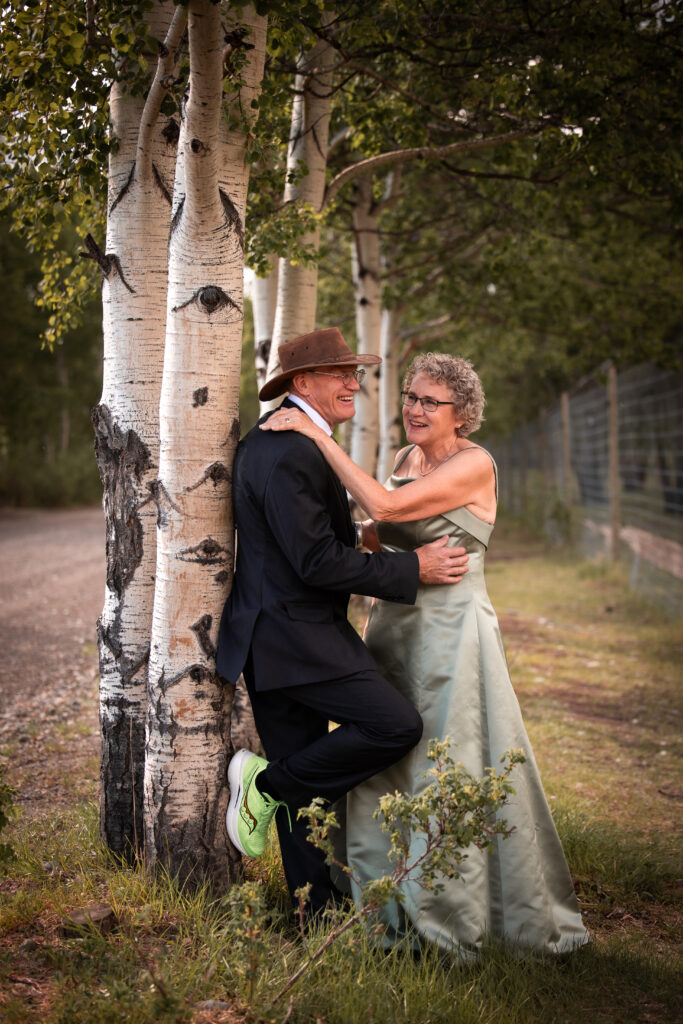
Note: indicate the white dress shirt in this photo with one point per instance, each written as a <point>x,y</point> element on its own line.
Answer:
<point>312,414</point>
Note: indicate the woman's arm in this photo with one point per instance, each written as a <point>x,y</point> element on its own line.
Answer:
<point>457,482</point>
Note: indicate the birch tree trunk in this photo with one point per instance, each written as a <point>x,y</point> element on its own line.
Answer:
<point>188,724</point>
<point>264,304</point>
<point>134,268</point>
<point>366,269</point>
<point>297,284</point>
<point>389,394</point>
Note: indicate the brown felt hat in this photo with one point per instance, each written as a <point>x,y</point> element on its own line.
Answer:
<point>308,352</point>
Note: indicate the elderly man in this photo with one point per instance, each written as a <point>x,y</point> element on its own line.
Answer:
<point>285,625</point>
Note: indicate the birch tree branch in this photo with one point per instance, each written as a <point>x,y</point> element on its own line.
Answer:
<point>402,156</point>
<point>162,81</point>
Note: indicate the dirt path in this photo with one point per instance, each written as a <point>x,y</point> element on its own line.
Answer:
<point>52,574</point>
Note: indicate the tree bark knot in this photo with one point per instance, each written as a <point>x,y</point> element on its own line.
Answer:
<point>201,630</point>
<point>200,397</point>
<point>171,132</point>
<point>210,298</point>
<point>263,350</point>
<point>163,501</point>
<point>105,261</point>
<point>216,472</point>
<point>232,440</point>
<point>122,458</point>
<point>207,552</point>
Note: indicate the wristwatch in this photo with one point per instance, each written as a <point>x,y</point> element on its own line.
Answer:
<point>358,527</point>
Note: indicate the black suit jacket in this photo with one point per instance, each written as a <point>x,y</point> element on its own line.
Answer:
<point>296,567</point>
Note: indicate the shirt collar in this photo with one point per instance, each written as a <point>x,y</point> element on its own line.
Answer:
<point>312,413</point>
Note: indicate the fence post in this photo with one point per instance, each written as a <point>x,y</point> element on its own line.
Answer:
<point>543,464</point>
<point>613,434</point>
<point>523,458</point>
<point>566,448</point>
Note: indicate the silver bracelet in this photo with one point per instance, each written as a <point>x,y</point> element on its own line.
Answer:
<point>358,527</point>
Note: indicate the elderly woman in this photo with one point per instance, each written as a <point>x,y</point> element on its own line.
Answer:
<point>445,654</point>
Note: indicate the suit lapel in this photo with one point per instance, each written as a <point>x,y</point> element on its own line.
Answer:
<point>336,484</point>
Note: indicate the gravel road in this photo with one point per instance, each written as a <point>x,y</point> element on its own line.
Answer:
<point>52,575</point>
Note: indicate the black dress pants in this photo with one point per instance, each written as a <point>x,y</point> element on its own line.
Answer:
<point>376,727</point>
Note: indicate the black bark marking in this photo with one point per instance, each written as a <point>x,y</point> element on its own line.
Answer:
<point>211,298</point>
<point>161,185</point>
<point>198,673</point>
<point>232,217</point>
<point>201,630</point>
<point>105,261</point>
<point>119,270</point>
<point>224,576</point>
<point>236,38</point>
<point>216,472</point>
<point>95,253</point>
<point>122,746</point>
<point>263,350</point>
<point>109,637</point>
<point>196,145</point>
<point>234,434</point>
<point>207,552</point>
<point>163,501</point>
<point>123,191</point>
<point>200,397</point>
<point>171,132</point>
<point>122,458</point>
<point>175,221</point>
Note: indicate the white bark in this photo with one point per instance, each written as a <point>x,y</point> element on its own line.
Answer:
<point>389,395</point>
<point>366,269</point>
<point>189,707</point>
<point>126,428</point>
<point>297,284</point>
<point>264,304</point>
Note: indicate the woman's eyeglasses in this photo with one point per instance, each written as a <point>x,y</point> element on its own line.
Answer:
<point>428,404</point>
<point>345,378</point>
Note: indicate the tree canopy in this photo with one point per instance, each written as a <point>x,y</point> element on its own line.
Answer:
<point>558,224</point>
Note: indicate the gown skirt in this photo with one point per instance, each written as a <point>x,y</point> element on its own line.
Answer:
<point>446,655</point>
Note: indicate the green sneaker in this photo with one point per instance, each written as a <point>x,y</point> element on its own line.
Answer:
<point>249,811</point>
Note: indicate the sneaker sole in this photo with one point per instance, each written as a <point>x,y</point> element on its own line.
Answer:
<point>235,772</point>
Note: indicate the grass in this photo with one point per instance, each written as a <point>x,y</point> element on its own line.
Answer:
<point>600,691</point>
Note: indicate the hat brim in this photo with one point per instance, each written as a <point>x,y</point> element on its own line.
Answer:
<point>277,386</point>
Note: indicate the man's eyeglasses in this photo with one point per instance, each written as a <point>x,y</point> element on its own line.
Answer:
<point>345,378</point>
<point>428,404</point>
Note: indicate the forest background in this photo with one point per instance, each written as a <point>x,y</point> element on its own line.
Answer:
<point>538,259</point>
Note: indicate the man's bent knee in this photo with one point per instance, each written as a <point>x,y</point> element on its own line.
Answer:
<point>413,730</point>
<point>406,731</point>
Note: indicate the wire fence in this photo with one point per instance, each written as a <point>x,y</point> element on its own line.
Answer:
<point>604,469</point>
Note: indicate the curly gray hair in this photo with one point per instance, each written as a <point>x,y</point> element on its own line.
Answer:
<point>462,381</point>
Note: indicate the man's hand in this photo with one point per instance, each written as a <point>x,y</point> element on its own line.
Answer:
<point>441,564</point>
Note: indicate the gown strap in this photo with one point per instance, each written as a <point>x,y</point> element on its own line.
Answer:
<point>403,457</point>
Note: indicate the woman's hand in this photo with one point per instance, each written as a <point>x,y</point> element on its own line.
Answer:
<point>292,419</point>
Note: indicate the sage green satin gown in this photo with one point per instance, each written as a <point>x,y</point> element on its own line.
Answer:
<point>445,654</point>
